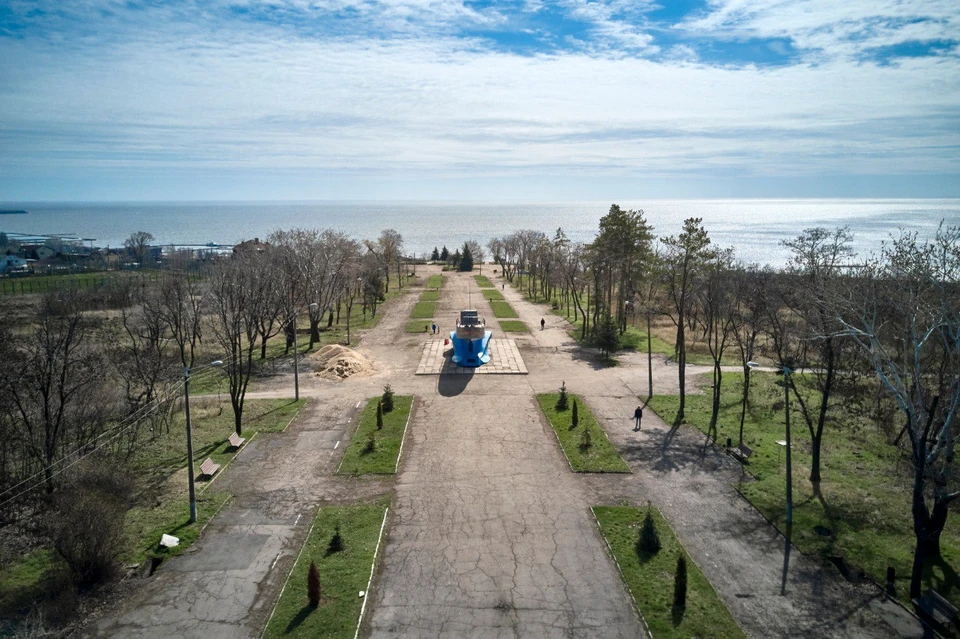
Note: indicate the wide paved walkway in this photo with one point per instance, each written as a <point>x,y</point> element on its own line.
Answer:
<point>491,534</point>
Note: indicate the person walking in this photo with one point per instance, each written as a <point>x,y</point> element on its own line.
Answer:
<point>434,328</point>
<point>543,323</point>
<point>637,416</point>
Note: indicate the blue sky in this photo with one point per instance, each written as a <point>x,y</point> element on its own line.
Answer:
<point>443,99</point>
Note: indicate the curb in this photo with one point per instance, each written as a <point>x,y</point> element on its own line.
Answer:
<point>287,580</point>
<point>613,556</point>
<point>373,566</point>
<point>403,439</point>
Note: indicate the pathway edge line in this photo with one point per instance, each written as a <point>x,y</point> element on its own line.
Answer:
<point>287,580</point>
<point>373,566</point>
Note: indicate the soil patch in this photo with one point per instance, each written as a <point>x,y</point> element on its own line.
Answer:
<point>339,362</point>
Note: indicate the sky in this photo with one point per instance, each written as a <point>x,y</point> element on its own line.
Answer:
<point>477,100</point>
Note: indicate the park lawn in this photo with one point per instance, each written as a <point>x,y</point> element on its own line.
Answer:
<point>384,457</point>
<point>343,574</point>
<point>84,281</point>
<point>650,578</point>
<point>160,465</point>
<point>430,296</point>
<point>417,326</point>
<point>423,310</point>
<point>436,281</point>
<point>635,339</point>
<point>483,281</point>
<point>26,579</point>
<point>601,457</point>
<point>865,488</point>
<point>514,326</point>
<point>503,309</point>
<point>493,295</point>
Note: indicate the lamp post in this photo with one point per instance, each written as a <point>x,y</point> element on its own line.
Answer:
<point>186,405</point>
<point>786,370</point>
<point>296,356</point>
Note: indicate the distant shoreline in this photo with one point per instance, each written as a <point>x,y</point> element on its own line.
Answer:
<point>13,212</point>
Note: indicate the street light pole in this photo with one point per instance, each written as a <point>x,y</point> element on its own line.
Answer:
<point>789,524</point>
<point>649,359</point>
<point>186,407</point>
<point>190,479</point>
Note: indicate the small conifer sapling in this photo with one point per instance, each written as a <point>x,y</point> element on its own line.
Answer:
<point>313,585</point>
<point>562,399</point>
<point>336,541</point>
<point>387,399</point>
<point>649,541</point>
<point>574,417</point>
<point>380,415</point>
<point>680,583</point>
<point>586,441</point>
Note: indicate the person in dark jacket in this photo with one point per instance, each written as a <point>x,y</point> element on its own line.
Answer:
<point>637,416</point>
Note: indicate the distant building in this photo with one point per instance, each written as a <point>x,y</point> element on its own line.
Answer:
<point>9,263</point>
<point>251,245</point>
<point>37,251</point>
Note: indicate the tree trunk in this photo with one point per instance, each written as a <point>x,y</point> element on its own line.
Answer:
<point>263,348</point>
<point>715,411</point>
<point>746,398</point>
<point>682,376</point>
<point>314,331</point>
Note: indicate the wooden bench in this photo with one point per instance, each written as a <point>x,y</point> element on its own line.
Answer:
<point>209,467</point>
<point>742,452</point>
<point>936,608</point>
<point>236,441</point>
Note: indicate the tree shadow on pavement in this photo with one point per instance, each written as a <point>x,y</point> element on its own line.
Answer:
<point>453,385</point>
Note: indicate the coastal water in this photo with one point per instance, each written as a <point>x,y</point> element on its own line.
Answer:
<point>754,228</point>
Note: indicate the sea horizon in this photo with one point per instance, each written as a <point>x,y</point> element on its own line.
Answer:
<point>754,227</point>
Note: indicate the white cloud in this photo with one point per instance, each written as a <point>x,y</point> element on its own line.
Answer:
<point>180,96</point>
<point>837,29</point>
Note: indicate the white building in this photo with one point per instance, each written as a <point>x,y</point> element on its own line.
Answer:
<point>12,263</point>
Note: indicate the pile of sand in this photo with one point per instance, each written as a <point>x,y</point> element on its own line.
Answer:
<point>339,362</point>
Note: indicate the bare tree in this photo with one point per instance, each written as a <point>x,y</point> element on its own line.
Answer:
<point>52,381</point>
<point>747,317</point>
<point>715,300</point>
<point>138,244</point>
<point>904,313</point>
<point>818,257</point>
<point>237,305</point>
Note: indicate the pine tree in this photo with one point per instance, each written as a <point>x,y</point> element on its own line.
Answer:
<point>435,256</point>
<point>607,335</point>
<point>455,259</point>
<point>574,417</point>
<point>562,399</point>
<point>313,585</point>
<point>387,399</point>
<point>444,255</point>
<point>466,259</point>
<point>680,583</point>
<point>371,445</point>
<point>336,541</point>
<point>379,415</point>
<point>649,541</point>
<point>586,441</point>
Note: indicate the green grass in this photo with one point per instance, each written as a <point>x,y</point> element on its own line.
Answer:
<point>430,296</point>
<point>601,457</point>
<point>483,281</point>
<point>503,309</point>
<point>82,281</point>
<point>514,326</point>
<point>636,340</point>
<point>864,492</point>
<point>383,459</point>
<point>24,580</point>
<point>650,578</point>
<point>417,326</point>
<point>493,295</point>
<point>342,575</point>
<point>423,310</point>
<point>160,466</point>
<point>436,281</point>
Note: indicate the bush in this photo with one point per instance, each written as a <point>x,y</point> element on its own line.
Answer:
<point>387,399</point>
<point>574,417</point>
<point>380,415</point>
<point>585,440</point>
<point>371,445</point>
<point>680,583</point>
<point>562,400</point>
<point>649,541</point>
<point>313,585</point>
<point>87,523</point>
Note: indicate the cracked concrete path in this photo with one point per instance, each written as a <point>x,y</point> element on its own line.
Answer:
<point>491,535</point>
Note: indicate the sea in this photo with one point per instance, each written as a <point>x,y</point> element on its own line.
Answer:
<point>755,228</point>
